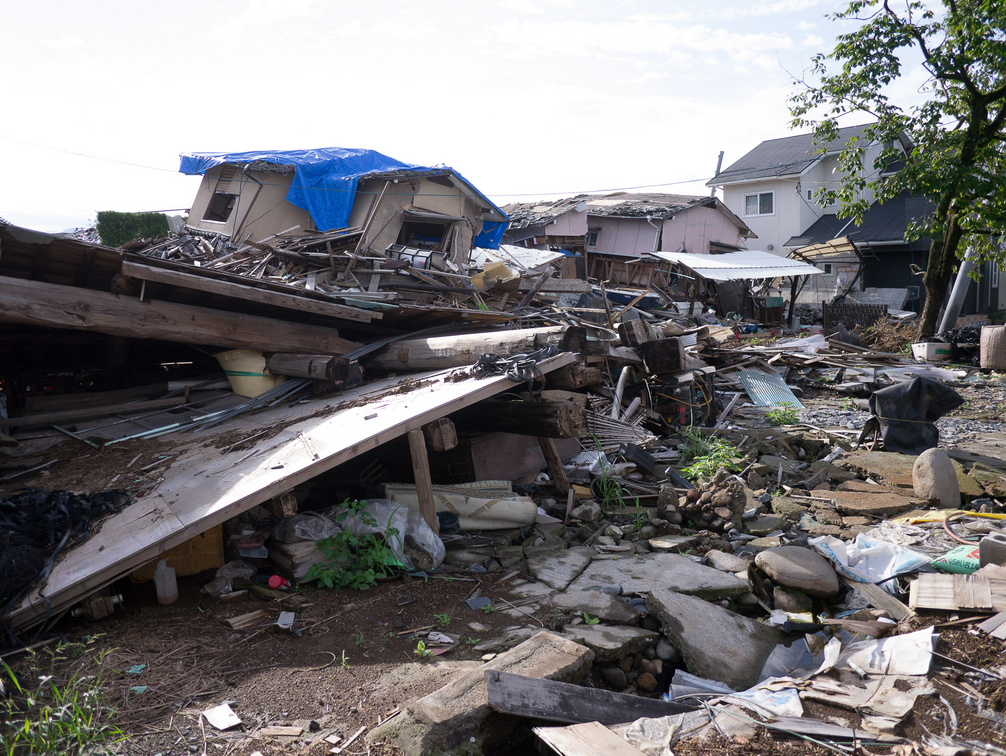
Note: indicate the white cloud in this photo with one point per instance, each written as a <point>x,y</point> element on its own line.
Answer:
<point>530,7</point>
<point>64,43</point>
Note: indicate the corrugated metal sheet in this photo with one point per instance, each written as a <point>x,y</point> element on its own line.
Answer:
<point>515,257</point>
<point>735,266</point>
<point>767,389</point>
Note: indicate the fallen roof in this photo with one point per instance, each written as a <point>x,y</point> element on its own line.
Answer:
<point>522,258</point>
<point>204,487</point>
<point>786,156</point>
<point>736,266</point>
<point>325,179</point>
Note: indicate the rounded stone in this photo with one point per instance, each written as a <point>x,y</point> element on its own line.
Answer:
<point>800,568</point>
<point>934,478</point>
<point>647,667</point>
<point>646,682</point>
<point>625,663</point>
<point>613,677</point>
<point>667,652</point>
<point>788,601</point>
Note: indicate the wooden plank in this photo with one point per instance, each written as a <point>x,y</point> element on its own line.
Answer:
<point>201,489</point>
<point>972,592</point>
<point>55,306</point>
<point>993,623</point>
<point>555,469</point>
<point>424,484</point>
<point>49,418</point>
<point>936,591</point>
<point>587,739</point>
<point>243,290</point>
<point>563,702</point>
<point>881,599</point>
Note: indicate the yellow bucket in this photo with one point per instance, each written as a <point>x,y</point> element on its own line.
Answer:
<point>247,373</point>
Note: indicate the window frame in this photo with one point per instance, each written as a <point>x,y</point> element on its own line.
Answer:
<point>759,195</point>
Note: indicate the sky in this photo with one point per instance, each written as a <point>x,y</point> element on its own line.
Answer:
<point>527,99</point>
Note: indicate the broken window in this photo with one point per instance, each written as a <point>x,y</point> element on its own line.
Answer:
<point>422,235</point>
<point>223,200</point>
<point>762,203</point>
<point>591,240</point>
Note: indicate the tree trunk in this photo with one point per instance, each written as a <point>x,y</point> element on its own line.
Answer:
<point>939,270</point>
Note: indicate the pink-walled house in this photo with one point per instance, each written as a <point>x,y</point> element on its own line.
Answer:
<point>616,231</point>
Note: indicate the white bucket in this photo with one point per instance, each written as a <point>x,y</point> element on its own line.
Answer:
<point>247,373</point>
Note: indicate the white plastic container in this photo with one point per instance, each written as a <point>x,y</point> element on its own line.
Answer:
<point>165,582</point>
<point>246,370</point>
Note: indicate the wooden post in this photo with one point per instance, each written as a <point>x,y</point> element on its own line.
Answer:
<point>424,485</point>
<point>555,469</point>
<point>793,281</point>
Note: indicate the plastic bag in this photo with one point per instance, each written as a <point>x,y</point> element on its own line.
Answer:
<point>309,526</point>
<point>906,413</point>
<point>869,560</point>
<point>419,536</point>
<point>962,561</point>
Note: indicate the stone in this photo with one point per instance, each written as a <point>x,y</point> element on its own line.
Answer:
<point>762,525</point>
<point>800,568</point>
<point>641,574</point>
<point>666,652</point>
<point>614,677</point>
<point>760,544</point>
<point>459,711</point>
<point>788,601</point>
<point>611,642</point>
<point>608,608</point>
<point>558,569</point>
<point>791,509</point>
<point>819,530</point>
<point>755,481</point>
<point>510,555</point>
<point>588,512</point>
<point>646,682</point>
<point>714,642</point>
<point>645,665</point>
<point>934,478</point>
<point>721,560</point>
<point>625,663</point>
<point>673,543</point>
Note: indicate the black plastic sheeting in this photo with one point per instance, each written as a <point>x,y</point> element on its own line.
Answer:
<point>906,413</point>
<point>36,525</point>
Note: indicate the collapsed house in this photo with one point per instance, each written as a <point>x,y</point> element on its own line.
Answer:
<point>616,232</point>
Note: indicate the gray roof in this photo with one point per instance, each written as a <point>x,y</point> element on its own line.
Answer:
<point>786,156</point>
<point>525,214</point>
<point>882,223</point>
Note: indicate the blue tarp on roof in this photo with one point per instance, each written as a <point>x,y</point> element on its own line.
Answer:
<point>324,179</point>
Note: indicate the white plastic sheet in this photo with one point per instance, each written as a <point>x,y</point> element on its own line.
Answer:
<point>869,560</point>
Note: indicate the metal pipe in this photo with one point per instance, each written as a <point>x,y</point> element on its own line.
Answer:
<point>959,291</point>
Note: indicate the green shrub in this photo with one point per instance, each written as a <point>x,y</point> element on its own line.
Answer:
<point>784,414</point>
<point>707,455</point>
<point>115,228</point>
<point>355,561</point>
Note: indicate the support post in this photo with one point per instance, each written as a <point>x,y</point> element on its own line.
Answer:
<point>555,469</point>
<point>424,484</point>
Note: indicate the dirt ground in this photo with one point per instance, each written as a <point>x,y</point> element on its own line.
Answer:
<point>354,661</point>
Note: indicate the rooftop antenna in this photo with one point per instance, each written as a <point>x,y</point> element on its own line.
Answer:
<point>719,164</point>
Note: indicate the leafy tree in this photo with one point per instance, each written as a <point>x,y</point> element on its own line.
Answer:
<point>953,139</point>
<point>115,228</point>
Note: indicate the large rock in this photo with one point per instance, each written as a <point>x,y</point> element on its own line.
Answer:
<point>460,710</point>
<point>559,568</point>
<point>611,642</point>
<point>934,477</point>
<point>604,606</point>
<point>714,642</point>
<point>800,568</point>
<point>725,562</point>
<point>647,572</point>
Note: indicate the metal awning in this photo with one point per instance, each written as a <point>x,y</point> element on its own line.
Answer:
<point>840,247</point>
<point>736,266</point>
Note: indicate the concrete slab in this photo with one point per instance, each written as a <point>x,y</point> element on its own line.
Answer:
<point>608,608</point>
<point>460,711</point>
<point>649,572</point>
<point>612,642</point>
<point>559,568</point>
<point>714,642</point>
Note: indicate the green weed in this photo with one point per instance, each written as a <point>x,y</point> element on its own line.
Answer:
<point>422,652</point>
<point>707,455</point>
<point>588,620</point>
<point>355,561</point>
<point>442,620</point>
<point>784,414</point>
<point>63,709</point>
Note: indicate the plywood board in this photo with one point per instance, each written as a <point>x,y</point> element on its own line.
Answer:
<point>204,486</point>
<point>587,739</point>
<point>953,592</point>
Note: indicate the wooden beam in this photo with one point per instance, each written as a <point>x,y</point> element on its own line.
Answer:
<point>567,703</point>
<point>56,306</point>
<point>440,352</point>
<point>319,367</point>
<point>424,484</point>
<point>242,290</point>
<point>586,739</point>
<point>555,468</point>
<point>538,418</point>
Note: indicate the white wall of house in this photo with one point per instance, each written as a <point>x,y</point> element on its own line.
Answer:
<point>259,209</point>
